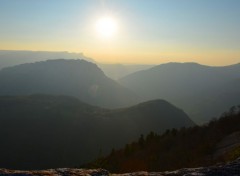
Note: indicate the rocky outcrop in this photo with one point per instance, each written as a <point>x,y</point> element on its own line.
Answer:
<point>56,172</point>
<point>227,144</point>
<point>229,169</point>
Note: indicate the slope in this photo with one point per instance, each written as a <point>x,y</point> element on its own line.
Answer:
<point>117,71</point>
<point>15,57</point>
<point>42,131</point>
<point>190,86</point>
<point>77,78</point>
<point>217,141</point>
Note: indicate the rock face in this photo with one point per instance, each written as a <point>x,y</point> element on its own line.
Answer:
<point>229,169</point>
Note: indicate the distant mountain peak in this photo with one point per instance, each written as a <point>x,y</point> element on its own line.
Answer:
<point>15,57</point>
<point>153,102</point>
<point>202,91</point>
<point>72,77</point>
<point>194,64</point>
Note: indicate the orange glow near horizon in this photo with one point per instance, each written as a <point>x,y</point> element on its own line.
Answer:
<point>127,32</point>
<point>120,55</point>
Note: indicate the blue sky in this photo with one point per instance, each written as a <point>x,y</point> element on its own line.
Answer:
<point>150,31</point>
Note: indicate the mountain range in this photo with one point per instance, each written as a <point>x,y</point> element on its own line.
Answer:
<point>43,131</point>
<point>117,71</point>
<point>10,58</point>
<point>202,91</point>
<point>66,112</point>
<point>77,78</point>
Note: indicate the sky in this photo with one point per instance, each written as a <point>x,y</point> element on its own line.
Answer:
<point>148,31</point>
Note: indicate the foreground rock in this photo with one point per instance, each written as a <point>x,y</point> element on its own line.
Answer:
<point>229,169</point>
<point>56,172</point>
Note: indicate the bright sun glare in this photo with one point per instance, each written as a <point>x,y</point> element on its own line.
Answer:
<point>106,27</point>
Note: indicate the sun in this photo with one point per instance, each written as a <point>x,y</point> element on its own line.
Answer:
<point>106,27</point>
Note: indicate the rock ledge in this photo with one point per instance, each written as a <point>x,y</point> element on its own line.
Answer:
<point>229,169</point>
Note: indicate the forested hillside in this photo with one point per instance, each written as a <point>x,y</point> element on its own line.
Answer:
<point>217,141</point>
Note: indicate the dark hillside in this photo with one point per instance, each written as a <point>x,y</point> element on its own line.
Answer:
<point>42,131</point>
<point>218,141</point>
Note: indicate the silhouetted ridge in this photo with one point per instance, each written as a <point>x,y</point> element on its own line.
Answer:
<point>43,131</point>
<point>77,78</point>
<point>156,103</point>
<point>198,89</point>
<point>157,109</point>
<point>117,71</point>
<point>58,64</point>
<point>10,58</point>
<point>193,64</point>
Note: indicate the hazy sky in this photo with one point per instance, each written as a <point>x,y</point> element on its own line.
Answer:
<point>149,31</point>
